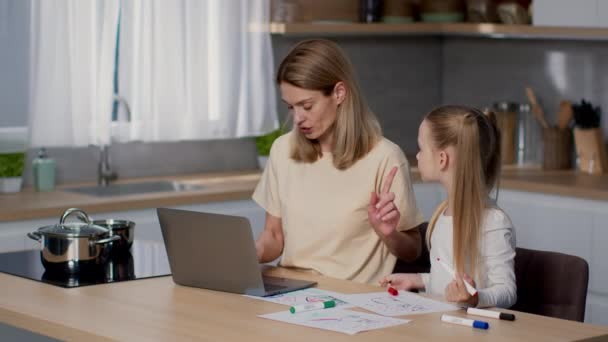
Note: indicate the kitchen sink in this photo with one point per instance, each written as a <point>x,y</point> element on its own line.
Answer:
<point>135,188</point>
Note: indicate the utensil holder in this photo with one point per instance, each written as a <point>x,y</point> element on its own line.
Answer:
<point>590,150</point>
<point>557,148</point>
<point>507,123</point>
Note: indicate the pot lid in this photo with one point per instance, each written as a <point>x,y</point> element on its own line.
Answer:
<point>74,229</point>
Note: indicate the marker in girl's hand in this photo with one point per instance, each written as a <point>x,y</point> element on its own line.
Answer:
<point>472,291</point>
<point>393,291</point>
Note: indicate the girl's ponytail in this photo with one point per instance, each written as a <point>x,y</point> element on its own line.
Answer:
<point>468,196</point>
<point>476,139</point>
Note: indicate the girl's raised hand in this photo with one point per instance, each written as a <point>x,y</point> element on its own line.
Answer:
<point>382,211</point>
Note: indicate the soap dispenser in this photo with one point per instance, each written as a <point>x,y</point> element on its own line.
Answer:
<point>44,172</point>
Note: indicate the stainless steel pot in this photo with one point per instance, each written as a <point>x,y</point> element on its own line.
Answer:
<point>73,247</point>
<point>120,267</point>
<point>123,228</point>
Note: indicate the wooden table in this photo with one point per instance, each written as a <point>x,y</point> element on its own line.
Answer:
<point>157,309</point>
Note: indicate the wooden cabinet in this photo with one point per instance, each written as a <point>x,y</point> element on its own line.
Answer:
<point>567,225</point>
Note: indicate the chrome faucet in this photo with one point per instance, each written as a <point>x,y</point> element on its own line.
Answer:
<point>105,174</point>
<point>122,101</point>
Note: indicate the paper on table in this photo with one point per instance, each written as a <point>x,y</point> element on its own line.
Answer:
<point>406,303</point>
<point>344,321</point>
<point>305,296</point>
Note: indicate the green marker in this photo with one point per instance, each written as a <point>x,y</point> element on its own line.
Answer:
<point>312,306</point>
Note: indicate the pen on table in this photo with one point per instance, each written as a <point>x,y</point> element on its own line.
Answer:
<point>472,291</point>
<point>313,306</point>
<point>492,314</point>
<point>465,321</point>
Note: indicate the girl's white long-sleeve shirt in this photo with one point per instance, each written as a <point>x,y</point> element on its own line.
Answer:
<point>496,277</point>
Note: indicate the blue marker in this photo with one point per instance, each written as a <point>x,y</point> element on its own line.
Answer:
<point>465,322</point>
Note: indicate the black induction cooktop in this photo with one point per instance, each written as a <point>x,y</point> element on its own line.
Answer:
<point>146,259</point>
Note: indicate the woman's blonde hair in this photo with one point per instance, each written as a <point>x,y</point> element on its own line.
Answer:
<point>319,65</point>
<point>476,139</point>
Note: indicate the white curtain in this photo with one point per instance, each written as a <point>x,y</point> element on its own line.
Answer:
<point>193,69</point>
<point>72,47</point>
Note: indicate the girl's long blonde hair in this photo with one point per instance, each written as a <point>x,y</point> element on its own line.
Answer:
<point>476,139</point>
<point>319,65</point>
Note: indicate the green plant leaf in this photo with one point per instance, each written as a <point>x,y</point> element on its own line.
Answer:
<point>264,142</point>
<point>11,164</point>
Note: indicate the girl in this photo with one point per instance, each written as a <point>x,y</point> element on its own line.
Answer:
<point>460,149</point>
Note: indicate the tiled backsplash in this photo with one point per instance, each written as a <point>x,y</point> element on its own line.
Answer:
<point>138,159</point>
<point>482,71</point>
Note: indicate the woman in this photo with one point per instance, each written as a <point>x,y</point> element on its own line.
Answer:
<point>317,183</point>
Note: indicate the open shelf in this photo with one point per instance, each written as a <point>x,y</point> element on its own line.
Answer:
<point>441,29</point>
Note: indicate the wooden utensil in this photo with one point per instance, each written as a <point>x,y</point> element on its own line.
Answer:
<point>565,114</point>
<point>537,110</point>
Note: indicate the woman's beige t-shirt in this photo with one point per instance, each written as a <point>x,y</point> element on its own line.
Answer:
<point>324,210</point>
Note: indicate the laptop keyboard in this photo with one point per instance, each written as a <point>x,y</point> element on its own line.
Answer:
<point>273,287</point>
<point>272,284</point>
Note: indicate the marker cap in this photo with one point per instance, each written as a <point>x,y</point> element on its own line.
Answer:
<point>481,325</point>
<point>329,304</point>
<point>507,316</point>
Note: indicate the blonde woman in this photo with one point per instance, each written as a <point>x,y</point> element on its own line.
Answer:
<point>323,183</point>
<point>460,149</point>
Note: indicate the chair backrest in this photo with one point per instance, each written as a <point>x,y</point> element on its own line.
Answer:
<point>551,284</point>
<point>420,265</point>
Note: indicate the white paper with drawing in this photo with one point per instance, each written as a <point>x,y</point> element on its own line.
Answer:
<point>344,321</point>
<point>406,303</point>
<point>305,296</point>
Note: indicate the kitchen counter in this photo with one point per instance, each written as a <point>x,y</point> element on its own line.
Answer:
<point>29,204</point>
<point>157,309</point>
<point>556,182</point>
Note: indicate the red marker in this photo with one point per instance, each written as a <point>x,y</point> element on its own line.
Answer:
<point>393,291</point>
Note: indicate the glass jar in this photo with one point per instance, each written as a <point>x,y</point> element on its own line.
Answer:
<point>529,138</point>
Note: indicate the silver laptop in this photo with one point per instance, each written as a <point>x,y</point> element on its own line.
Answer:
<point>217,252</point>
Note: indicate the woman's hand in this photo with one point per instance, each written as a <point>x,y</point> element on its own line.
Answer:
<point>403,281</point>
<point>382,211</point>
<point>456,291</point>
<point>270,243</point>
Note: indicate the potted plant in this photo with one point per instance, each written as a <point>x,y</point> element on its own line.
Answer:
<point>11,169</point>
<point>264,143</point>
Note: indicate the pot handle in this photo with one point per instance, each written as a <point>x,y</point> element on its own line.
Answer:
<point>82,215</point>
<point>35,236</point>
<point>106,240</point>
